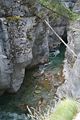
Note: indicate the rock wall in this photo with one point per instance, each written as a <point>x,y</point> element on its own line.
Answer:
<point>23,41</point>
<point>68,3</point>
<point>60,26</point>
<point>71,86</point>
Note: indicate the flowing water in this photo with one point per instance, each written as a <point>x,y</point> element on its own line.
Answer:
<point>37,87</point>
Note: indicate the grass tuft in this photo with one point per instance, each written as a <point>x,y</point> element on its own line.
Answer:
<point>65,110</point>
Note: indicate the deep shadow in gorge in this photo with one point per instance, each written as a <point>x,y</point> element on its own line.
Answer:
<point>64,37</point>
<point>34,86</point>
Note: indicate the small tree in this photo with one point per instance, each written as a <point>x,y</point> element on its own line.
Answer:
<point>56,7</point>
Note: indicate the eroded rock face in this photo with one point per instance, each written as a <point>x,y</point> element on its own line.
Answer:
<point>71,86</point>
<point>59,25</point>
<point>68,3</point>
<point>23,41</point>
<point>77,7</point>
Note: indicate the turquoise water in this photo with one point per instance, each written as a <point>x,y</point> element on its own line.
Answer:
<point>10,103</point>
<point>56,62</point>
<point>12,116</point>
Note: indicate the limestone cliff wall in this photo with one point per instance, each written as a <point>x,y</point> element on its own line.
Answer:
<point>24,40</point>
<point>71,86</point>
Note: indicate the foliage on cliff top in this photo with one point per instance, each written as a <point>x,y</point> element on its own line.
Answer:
<point>57,7</point>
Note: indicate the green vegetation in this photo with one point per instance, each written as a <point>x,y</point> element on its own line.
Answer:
<point>56,7</point>
<point>65,110</point>
<point>13,18</point>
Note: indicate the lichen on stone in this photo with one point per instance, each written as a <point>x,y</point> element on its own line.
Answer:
<point>13,18</point>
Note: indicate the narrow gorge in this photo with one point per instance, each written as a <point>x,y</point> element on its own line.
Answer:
<point>36,68</point>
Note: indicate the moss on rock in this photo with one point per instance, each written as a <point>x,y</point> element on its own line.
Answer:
<point>13,18</point>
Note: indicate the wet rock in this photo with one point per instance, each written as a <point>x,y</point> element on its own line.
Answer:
<point>9,116</point>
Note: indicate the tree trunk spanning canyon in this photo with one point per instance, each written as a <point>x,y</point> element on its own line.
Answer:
<point>25,40</point>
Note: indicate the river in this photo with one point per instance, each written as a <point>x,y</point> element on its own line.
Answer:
<point>39,85</point>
